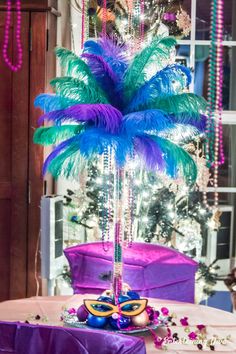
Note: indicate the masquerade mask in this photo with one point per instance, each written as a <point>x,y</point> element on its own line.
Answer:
<point>105,309</point>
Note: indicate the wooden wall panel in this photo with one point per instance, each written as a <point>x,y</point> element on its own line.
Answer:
<point>21,181</point>
<point>37,86</point>
<point>5,169</point>
<point>42,70</point>
<point>5,230</point>
<point>13,167</point>
<point>19,157</point>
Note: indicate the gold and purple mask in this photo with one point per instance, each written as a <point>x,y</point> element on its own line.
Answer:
<point>105,309</point>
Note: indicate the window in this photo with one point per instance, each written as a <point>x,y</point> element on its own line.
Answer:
<point>196,51</point>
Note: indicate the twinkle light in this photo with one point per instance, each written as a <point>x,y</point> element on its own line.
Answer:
<point>145,219</point>
<point>137,182</point>
<point>145,194</point>
<point>202,211</point>
<point>99,180</point>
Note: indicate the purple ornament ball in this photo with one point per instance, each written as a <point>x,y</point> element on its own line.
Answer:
<point>82,313</point>
<point>150,312</point>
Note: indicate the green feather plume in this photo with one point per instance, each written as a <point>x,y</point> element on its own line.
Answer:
<point>185,103</point>
<point>177,160</point>
<point>56,134</point>
<point>157,52</point>
<point>73,65</point>
<point>68,164</point>
<point>78,91</point>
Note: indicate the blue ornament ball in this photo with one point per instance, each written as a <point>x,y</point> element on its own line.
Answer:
<point>74,218</point>
<point>123,321</point>
<point>106,299</point>
<point>133,295</point>
<point>123,298</point>
<point>97,322</point>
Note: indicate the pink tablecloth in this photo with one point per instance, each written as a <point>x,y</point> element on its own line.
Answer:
<point>218,322</point>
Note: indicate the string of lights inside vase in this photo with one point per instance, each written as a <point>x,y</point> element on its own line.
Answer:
<point>7,60</point>
<point>214,130</point>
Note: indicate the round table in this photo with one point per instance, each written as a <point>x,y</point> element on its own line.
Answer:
<point>220,325</point>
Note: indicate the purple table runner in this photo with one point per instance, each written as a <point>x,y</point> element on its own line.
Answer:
<point>20,338</point>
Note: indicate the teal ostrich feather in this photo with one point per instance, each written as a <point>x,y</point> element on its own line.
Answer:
<point>157,53</point>
<point>54,135</point>
<point>78,91</point>
<point>74,66</point>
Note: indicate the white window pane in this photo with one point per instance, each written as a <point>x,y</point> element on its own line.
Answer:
<point>229,80</point>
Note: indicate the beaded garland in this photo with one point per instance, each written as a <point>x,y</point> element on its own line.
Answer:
<point>7,60</point>
<point>104,18</point>
<point>106,199</point>
<point>142,11</point>
<point>214,130</point>
<point>83,24</point>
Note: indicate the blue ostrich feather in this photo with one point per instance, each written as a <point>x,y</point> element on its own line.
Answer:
<point>169,81</point>
<point>142,121</point>
<point>51,102</point>
<point>96,141</point>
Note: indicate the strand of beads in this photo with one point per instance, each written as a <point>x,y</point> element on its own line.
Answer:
<point>130,16</point>
<point>106,200</point>
<point>142,16</point>
<point>7,60</point>
<point>130,206</point>
<point>83,24</point>
<point>104,18</point>
<point>214,131</point>
<point>118,232</point>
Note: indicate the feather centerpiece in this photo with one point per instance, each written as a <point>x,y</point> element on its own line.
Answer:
<point>123,110</point>
<point>107,100</point>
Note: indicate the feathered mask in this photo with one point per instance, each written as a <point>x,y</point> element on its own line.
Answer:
<point>130,106</point>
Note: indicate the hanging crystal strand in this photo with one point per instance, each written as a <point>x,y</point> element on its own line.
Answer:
<point>109,195</point>
<point>105,201</point>
<point>142,15</point>
<point>104,18</point>
<point>130,16</point>
<point>130,206</point>
<point>136,28</point>
<point>118,232</point>
<point>86,22</point>
<point>83,23</point>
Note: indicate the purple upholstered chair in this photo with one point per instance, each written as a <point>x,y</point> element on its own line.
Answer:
<point>152,270</point>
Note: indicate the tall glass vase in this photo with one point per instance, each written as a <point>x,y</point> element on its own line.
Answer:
<point>118,231</point>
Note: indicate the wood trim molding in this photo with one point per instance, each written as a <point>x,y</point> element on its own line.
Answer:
<point>35,5</point>
<point>53,10</point>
